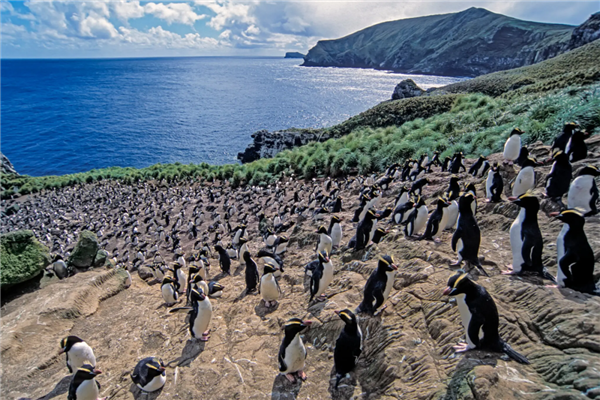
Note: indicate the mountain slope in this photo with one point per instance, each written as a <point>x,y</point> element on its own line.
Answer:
<point>469,43</point>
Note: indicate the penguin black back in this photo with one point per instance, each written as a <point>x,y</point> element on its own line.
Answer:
<point>348,345</point>
<point>252,277</point>
<point>224,259</point>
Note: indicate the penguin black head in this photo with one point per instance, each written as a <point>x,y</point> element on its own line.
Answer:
<point>197,294</point>
<point>322,229</point>
<point>243,240</point>
<point>460,283</point>
<point>470,188</point>
<point>295,325</point>
<point>156,367</point>
<point>194,269</point>
<point>246,256</point>
<point>527,201</point>
<point>442,201</point>
<point>516,131</point>
<point>572,216</point>
<point>387,263</point>
<point>283,239</point>
<point>168,279</point>
<point>465,200</point>
<point>335,218</point>
<point>347,316</point>
<point>323,256</point>
<point>530,162</point>
<point>214,287</point>
<point>196,278</point>
<point>269,268</point>
<point>589,170</point>
<point>219,249</point>
<point>419,202</point>
<point>570,127</point>
<point>68,342</point>
<point>372,214</point>
<point>87,372</point>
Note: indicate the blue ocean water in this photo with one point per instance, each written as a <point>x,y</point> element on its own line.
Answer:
<point>66,116</point>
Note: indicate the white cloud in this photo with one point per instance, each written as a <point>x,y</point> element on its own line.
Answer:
<point>126,10</point>
<point>174,12</point>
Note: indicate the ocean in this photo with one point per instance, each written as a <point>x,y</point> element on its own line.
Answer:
<point>66,116</point>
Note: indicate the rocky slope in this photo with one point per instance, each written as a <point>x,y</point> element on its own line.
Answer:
<point>469,43</point>
<point>408,348</point>
<point>6,165</point>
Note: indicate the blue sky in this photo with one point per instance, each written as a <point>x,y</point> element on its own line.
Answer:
<point>67,29</point>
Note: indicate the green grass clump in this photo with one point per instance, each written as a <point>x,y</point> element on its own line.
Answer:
<point>22,257</point>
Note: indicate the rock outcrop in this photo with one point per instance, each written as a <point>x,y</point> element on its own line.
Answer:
<point>85,251</point>
<point>6,166</point>
<point>586,32</point>
<point>406,89</point>
<point>293,54</point>
<point>469,43</point>
<point>267,144</point>
<point>22,258</point>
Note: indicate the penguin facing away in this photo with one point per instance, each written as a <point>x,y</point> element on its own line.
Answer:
<point>251,273</point>
<point>467,237</point>
<point>348,346</point>
<point>292,353</point>
<point>479,317</point>
<point>84,385</point>
<point>583,192</point>
<point>378,286</point>
<point>77,351</point>
<point>149,374</point>
<point>559,178</point>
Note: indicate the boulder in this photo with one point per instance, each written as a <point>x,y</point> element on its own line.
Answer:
<point>7,167</point>
<point>101,258</point>
<point>406,89</point>
<point>22,257</point>
<point>84,254</point>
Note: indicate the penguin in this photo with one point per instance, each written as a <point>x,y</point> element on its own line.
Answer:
<point>180,276</point>
<point>224,260</point>
<point>477,167</point>
<point>215,289</point>
<point>583,192</point>
<point>494,185</point>
<point>470,188</point>
<point>364,199</point>
<point>196,282</point>
<point>325,241</point>
<point>523,156</point>
<point>437,220</point>
<point>402,197</point>
<point>435,161</point>
<point>378,235</point>
<point>417,219</point>
<point>269,288</point>
<point>78,352</point>
<point>149,374</point>
<point>203,267</point>
<point>526,239</point>
<point>446,164</point>
<point>269,238</point>
<point>273,259</point>
<point>337,207</point>
<point>335,231</point>
<point>456,164</point>
<point>200,315</point>
<point>576,147</point>
<point>281,244</point>
<point>84,385</point>
<point>559,178</point>
<point>169,289</point>
<point>251,273</point>
<point>452,195</point>
<point>158,271</point>
<point>60,267</point>
<point>321,277</point>
<point>402,212</point>
<point>348,346</point>
<point>560,143</point>
<point>479,317</point>
<point>525,180</point>
<point>242,242</point>
<point>363,230</point>
<point>467,237</point>
<point>378,286</point>
<point>512,147</point>
<point>574,254</point>
<point>292,353</point>
<point>484,169</point>
<point>417,187</point>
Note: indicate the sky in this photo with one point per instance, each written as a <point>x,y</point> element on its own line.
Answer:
<point>106,29</point>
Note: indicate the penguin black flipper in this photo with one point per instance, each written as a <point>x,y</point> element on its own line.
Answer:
<point>547,275</point>
<point>457,235</point>
<point>378,294</point>
<point>475,325</point>
<point>314,282</point>
<point>513,354</point>
<point>177,309</point>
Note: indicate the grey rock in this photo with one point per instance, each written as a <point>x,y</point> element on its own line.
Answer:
<point>406,89</point>
<point>586,32</point>
<point>7,167</point>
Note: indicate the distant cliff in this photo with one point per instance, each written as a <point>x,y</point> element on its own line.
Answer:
<point>293,54</point>
<point>469,43</point>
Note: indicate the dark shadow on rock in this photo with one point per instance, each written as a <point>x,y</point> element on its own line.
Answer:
<point>345,389</point>
<point>190,352</point>
<point>263,311</point>
<point>61,387</point>
<point>316,307</point>
<point>139,394</point>
<point>239,270</point>
<point>15,291</point>
<point>284,389</point>
<point>469,361</point>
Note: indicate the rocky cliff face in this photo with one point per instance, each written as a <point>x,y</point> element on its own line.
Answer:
<point>586,32</point>
<point>267,144</point>
<point>468,43</point>
<point>6,165</point>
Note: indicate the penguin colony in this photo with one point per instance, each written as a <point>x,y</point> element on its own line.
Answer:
<point>454,210</point>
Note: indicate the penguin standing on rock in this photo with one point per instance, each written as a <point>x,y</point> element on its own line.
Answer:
<point>494,185</point>
<point>467,237</point>
<point>576,147</point>
<point>417,219</point>
<point>149,374</point>
<point>525,180</point>
<point>456,164</point>
<point>437,220</point>
<point>402,212</point>
<point>363,230</point>
<point>251,273</point>
<point>512,147</point>
<point>224,259</point>
<point>200,315</point>
<point>378,286</point>
<point>583,192</point>
<point>321,277</point>
<point>292,353</point>
<point>269,288</point>
<point>78,352</point>
<point>417,187</point>
<point>477,167</point>
<point>452,195</point>
<point>169,290</point>
<point>348,346</point>
<point>479,317</point>
<point>560,143</point>
<point>335,231</point>
<point>559,178</point>
<point>84,385</point>
<point>325,241</point>
<point>575,256</point>
<point>526,239</point>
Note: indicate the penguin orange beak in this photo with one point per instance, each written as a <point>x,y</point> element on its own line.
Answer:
<point>337,312</point>
<point>307,322</point>
<point>512,198</point>
<point>394,267</point>
<point>554,214</point>
<point>61,351</point>
<point>162,369</point>
<point>447,291</point>
<point>97,371</point>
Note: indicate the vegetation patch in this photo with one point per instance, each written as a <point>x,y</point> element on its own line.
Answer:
<point>22,257</point>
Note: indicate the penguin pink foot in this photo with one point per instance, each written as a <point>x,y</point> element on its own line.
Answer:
<point>205,336</point>
<point>509,270</point>
<point>302,375</point>
<point>291,378</point>
<point>322,297</point>
<point>380,310</point>
<point>460,348</point>
<point>437,240</point>
<point>552,286</point>
<point>455,264</point>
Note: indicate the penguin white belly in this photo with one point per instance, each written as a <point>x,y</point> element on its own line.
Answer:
<point>560,252</point>
<point>525,181</point>
<point>465,316</point>
<point>443,222</point>
<point>391,275</point>
<point>452,212</point>
<point>516,243</point>
<point>579,193</point>
<point>81,353</point>
<point>268,288</point>
<point>156,383</point>
<point>336,235</point>
<point>326,279</point>
<point>403,199</point>
<point>512,148</point>
<point>270,240</point>
<point>568,147</point>
<point>373,229</point>
<point>203,318</point>
<point>459,247</point>
<point>158,274</point>
<point>295,354</point>
<point>181,280</point>
<point>281,248</point>
<point>488,184</point>
<point>203,272</point>
<point>87,390</point>
<point>169,294</point>
<point>420,220</point>
<point>325,244</point>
